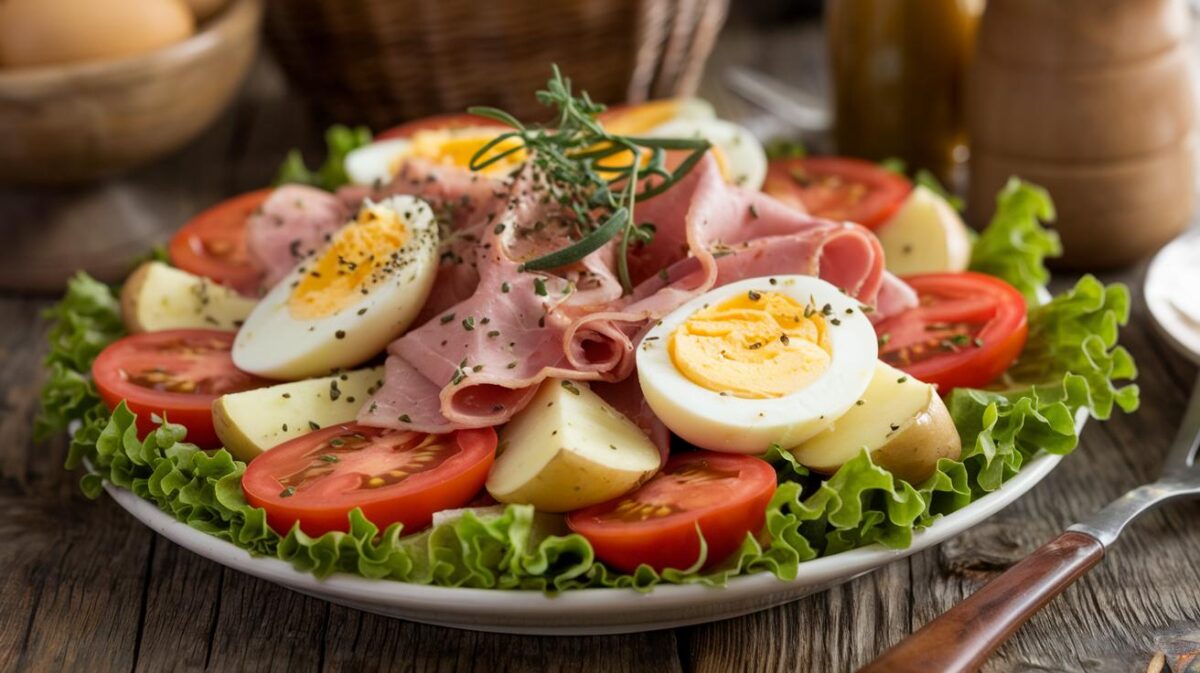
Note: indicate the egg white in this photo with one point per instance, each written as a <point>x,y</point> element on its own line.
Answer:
<point>276,344</point>
<point>375,163</point>
<point>732,424</point>
<point>372,164</point>
<point>694,109</point>
<point>744,155</point>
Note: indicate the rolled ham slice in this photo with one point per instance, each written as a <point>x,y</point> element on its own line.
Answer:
<point>294,222</point>
<point>483,356</point>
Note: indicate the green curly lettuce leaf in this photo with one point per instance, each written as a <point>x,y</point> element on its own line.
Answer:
<point>86,320</point>
<point>505,551</point>
<point>1072,346</point>
<point>1071,362</point>
<point>340,141</point>
<point>1015,244</point>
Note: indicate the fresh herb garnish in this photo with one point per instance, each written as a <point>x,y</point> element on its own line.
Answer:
<point>597,176</point>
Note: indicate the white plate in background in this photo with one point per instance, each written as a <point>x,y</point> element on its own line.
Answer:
<point>1172,292</point>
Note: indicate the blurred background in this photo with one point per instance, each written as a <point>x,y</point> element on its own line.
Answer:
<point>120,119</point>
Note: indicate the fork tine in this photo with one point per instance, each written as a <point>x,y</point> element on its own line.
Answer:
<point>1182,455</point>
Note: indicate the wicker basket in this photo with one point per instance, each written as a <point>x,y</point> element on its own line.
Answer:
<point>383,61</point>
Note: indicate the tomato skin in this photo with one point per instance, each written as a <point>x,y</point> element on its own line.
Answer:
<point>987,308</point>
<point>324,504</point>
<point>210,365</point>
<point>725,515</point>
<point>840,188</point>
<point>213,243</point>
<point>450,120</point>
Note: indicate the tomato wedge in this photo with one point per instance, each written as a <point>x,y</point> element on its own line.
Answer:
<point>966,331</point>
<point>213,243</point>
<point>838,188</point>
<point>725,494</point>
<point>173,373</point>
<point>452,120</point>
<point>392,475</point>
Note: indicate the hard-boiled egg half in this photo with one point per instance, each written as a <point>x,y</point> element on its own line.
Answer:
<point>343,306</point>
<point>739,154</point>
<point>759,362</point>
<point>379,162</point>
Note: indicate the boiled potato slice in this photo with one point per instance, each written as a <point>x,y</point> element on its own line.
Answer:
<point>158,297</point>
<point>254,421</point>
<point>925,236</point>
<point>901,421</point>
<point>569,449</point>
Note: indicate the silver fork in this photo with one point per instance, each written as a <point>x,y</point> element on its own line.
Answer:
<point>962,639</point>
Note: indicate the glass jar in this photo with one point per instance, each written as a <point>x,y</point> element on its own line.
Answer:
<point>898,71</point>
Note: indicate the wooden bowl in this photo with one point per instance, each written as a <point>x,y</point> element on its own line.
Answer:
<point>83,121</point>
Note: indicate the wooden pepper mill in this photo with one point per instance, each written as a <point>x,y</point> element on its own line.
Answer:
<point>1093,100</point>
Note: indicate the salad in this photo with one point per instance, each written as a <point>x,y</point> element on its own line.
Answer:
<point>621,348</point>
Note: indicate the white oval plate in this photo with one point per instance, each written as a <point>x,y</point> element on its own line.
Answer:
<point>587,611</point>
<point>1175,269</point>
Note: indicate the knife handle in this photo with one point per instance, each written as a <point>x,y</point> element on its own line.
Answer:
<point>962,639</point>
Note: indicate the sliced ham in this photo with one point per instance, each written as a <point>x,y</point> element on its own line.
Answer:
<point>406,400</point>
<point>294,222</point>
<point>895,296</point>
<point>710,234</point>
<point>706,219</point>
<point>486,355</point>
<point>483,356</point>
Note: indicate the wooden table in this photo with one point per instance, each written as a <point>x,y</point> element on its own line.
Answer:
<point>84,587</point>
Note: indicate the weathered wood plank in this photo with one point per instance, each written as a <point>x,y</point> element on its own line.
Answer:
<point>358,642</point>
<point>1111,619</point>
<point>183,601</point>
<point>825,632</point>
<point>70,597</point>
<point>263,627</point>
<point>87,588</point>
<point>1117,618</point>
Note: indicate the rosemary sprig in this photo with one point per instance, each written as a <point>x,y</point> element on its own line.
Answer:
<point>595,175</point>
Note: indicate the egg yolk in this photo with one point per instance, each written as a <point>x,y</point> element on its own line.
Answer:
<point>355,260</point>
<point>637,120</point>
<point>456,148</point>
<point>757,345</point>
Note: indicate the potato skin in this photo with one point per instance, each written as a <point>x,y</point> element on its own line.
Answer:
<point>913,453</point>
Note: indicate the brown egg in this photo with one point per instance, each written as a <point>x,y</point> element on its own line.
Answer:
<point>48,32</point>
<point>205,8</point>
